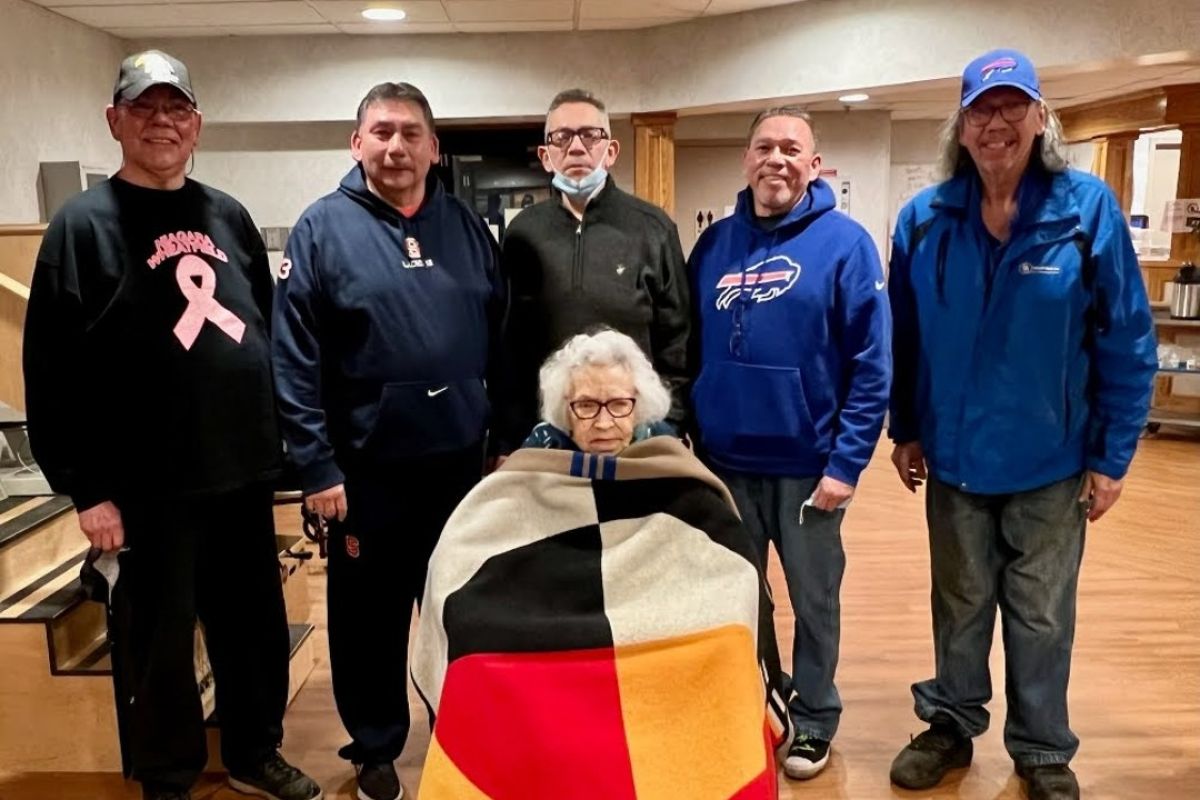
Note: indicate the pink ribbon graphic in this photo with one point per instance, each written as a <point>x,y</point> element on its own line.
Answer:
<point>201,303</point>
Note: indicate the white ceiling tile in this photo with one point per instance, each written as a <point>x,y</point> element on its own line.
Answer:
<point>377,28</point>
<point>734,6</point>
<point>509,10</point>
<point>174,32</point>
<point>509,27</point>
<point>283,30</point>
<point>419,11</point>
<point>57,4</point>
<point>641,9</point>
<point>624,24</point>
<point>192,14</point>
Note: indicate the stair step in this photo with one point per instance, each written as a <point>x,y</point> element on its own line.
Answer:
<point>20,515</point>
<point>48,596</point>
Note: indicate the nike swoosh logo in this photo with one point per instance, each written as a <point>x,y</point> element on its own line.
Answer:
<point>436,392</point>
<point>879,286</point>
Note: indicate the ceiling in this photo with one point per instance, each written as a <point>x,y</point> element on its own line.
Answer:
<point>135,19</point>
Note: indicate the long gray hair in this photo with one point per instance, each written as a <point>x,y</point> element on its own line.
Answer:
<point>1049,149</point>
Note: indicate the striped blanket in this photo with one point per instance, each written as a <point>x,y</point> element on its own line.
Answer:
<point>599,627</point>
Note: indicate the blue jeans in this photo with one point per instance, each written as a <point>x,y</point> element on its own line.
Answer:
<point>813,562</point>
<point>1019,552</point>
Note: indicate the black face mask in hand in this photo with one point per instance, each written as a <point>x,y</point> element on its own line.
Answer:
<point>315,530</point>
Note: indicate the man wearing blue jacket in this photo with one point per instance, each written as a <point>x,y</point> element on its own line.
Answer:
<point>388,315</point>
<point>795,365</point>
<point>1025,355</point>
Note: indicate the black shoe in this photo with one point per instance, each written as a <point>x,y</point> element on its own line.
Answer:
<point>165,794</point>
<point>928,757</point>
<point>1049,782</point>
<point>378,781</point>
<point>806,758</point>
<point>275,779</point>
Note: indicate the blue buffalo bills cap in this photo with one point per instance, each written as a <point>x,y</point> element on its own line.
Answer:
<point>999,68</point>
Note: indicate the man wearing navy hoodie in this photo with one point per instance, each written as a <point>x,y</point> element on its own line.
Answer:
<point>795,369</point>
<point>388,314</point>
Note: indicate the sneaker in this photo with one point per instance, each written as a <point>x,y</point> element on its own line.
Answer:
<point>1049,782</point>
<point>927,758</point>
<point>806,758</point>
<point>378,781</point>
<point>275,779</point>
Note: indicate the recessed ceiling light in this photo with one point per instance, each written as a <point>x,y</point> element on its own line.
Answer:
<point>857,97</point>
<point>383,14</point>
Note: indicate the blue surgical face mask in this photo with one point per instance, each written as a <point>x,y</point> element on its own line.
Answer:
<point>583,188</point>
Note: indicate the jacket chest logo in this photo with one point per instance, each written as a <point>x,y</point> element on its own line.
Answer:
<point>413,258</point>
<point>765,281</point>
<point>1027,268</point>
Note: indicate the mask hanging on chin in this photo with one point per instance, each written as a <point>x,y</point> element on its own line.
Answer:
<point>583,188</point>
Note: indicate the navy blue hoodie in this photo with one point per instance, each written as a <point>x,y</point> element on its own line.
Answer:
<point>386,330</point>
<point>795,341</point>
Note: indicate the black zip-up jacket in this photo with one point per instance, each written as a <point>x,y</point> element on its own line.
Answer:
<point>620,267</point>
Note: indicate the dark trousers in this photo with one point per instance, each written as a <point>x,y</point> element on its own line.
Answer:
<point>213,559</point>
<point>377,563</point>
<point>1019,553</point>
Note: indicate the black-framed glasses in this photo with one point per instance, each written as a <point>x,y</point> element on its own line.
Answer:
<point>617,407</point>
<point>588,137</point>
<point>179,111</point>
<point>1009,112</point>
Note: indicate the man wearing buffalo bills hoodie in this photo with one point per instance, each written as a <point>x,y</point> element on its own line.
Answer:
<point>795,368</point>
<point>388,314</point>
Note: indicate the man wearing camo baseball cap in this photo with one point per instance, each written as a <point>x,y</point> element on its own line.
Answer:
<point>141,71</point>
<point>147,340</point>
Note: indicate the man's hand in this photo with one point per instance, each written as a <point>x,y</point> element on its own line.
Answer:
<point>102,525</point>
<point>910,464</point>
<point>328,503</point>
<point>494,463</point>
<point>831,493</point>
<point>1100,492</point>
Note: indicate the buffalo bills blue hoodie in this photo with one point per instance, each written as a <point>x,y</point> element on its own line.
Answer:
<point>387,329</point>
<point>795,341</point>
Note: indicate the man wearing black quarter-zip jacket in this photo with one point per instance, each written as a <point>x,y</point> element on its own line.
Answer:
<point>591,256</point>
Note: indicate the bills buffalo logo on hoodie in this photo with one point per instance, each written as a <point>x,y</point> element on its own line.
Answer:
<point>999,66</point>
<point>766,280</point>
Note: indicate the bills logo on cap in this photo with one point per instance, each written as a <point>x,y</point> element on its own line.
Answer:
<point>999,66</point>
<point>352,546</point>
<point>765,281</point>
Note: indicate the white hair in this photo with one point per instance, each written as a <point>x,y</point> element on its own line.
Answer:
<point>1049,148</point>
<point>603,348</point>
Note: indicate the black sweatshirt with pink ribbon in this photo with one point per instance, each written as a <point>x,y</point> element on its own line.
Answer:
<point>147,346</point>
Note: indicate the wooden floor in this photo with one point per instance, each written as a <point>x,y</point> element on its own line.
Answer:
<point>1135,691</point>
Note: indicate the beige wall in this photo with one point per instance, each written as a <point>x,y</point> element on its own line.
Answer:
<point>55,77</point>
<point>799,49</point>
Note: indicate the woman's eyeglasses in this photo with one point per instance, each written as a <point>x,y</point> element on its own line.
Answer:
<point>617,407</point>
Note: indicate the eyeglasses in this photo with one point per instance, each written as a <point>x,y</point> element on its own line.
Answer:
<point>588,137</point>
<point>1009,112</point>
<point>617,407</point>
<point>177,112</point>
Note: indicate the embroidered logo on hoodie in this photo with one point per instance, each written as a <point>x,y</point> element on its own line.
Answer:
<point>765,281</point>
